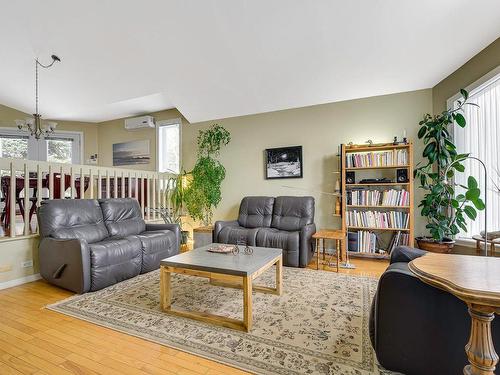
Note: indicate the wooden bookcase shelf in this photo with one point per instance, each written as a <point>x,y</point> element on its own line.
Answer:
<point>376,171</point>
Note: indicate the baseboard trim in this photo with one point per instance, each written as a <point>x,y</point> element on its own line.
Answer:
<point>20,281</point>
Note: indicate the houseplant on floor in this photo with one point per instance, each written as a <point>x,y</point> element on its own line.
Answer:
<point>445,209</point>
<point>204,191</point>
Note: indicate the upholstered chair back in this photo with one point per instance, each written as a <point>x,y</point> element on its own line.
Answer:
<point>256,212</point>
<point>292,213</point>
<point>122,216</point>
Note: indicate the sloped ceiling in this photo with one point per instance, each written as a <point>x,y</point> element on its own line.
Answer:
<point>220,58</point>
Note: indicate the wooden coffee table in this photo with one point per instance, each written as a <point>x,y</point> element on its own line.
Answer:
<point>235,271</point>
<point>476,281</point>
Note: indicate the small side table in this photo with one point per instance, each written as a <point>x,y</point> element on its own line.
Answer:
<point>479,239</point>
<point>337,235</point>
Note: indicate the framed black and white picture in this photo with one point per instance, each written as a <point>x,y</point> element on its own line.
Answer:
<point>284,162</point>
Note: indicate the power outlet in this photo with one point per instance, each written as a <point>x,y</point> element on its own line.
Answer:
<point>27,263</point>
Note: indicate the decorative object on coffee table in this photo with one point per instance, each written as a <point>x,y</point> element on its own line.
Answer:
<point>476,281</point>
<point>337,235</point>
<point>235,271</point>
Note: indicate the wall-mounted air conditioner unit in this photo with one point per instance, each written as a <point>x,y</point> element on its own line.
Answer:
<point>142,122</point>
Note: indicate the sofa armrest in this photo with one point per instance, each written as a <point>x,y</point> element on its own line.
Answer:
<point>306,246</point>
<point>65,263</point>
<point>176,228</point>
<point>405,254</point>
<point>222,224</point>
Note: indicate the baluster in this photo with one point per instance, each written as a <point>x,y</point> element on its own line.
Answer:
<point>82,183</point>
<point>12,199</point>
<point>148,198</point>
<point>115,185</point>
<point>108,192</point>
<point>51,183</point>
<point>63,184</point>
<point>153,198</point>
<point>129,185</point>
<point>26,200</point>
<point>142,195</point>
<point>136,182</point>
<point>123,184</point>
<point>72,183</point>
<point>91,184</point>
<point>39,192</point>
<point>99,184</point>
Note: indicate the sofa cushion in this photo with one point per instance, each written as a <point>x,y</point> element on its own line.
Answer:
<point>279,239</point>
<point>235,234</point>
<point>256,212</point>
<point>289,242</point>
<point>156,245</point>
<point>72,218</point>
<point>122,216</point>
<point>292,213</point>
<point>114,260</point>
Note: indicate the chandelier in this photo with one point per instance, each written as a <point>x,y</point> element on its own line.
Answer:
<point>34,124</point>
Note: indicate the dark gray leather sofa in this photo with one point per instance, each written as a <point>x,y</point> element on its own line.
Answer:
<point>284,222</point>
<point>415,328</point>
<point>87,245</point>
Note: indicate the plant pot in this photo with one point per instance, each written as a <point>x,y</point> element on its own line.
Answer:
<point>430,244</point>
<point>184,237</point>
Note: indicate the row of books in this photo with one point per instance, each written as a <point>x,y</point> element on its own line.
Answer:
<point>399,239</point>
<point>377,159</point>
<point>377,219</point>
<point>392,197</point>
<point>367,242</point>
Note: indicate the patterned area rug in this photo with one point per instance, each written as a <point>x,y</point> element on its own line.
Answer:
<point>318,326</point>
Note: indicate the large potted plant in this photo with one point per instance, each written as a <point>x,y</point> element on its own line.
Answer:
<point>204,191</point>
<point>443,205</point>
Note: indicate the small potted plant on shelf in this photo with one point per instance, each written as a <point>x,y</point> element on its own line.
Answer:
<point>445,208</point>
<point>172,208</point>
<point>204,191</point>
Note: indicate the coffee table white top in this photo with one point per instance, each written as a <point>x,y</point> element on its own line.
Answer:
<point>239,265</point>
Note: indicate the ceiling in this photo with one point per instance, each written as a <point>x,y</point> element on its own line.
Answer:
<point>213,59</point>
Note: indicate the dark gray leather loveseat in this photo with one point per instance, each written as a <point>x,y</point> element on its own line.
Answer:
<point>417,329</point>
<point>284,222</point>
<point>87,244</point>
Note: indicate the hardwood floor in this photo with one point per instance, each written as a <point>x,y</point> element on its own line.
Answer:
<point>37,341</point>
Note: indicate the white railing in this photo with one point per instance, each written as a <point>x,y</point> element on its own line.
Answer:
<point>54,180</point>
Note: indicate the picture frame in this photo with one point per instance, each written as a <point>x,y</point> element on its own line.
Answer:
<point>284,162</point>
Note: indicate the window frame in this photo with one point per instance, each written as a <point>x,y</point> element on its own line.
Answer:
<point>475,86</point>
<point>162,123</point>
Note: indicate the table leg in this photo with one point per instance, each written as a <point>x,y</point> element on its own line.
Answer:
<point>480,350</point>
<point>165,289</point>
<point>324,248</point>
<point>247,302</point>
<point>279,275</point>
<point>317,253</point>
<point>339,247</point>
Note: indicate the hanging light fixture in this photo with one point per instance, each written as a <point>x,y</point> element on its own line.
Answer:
<point>34,125</point>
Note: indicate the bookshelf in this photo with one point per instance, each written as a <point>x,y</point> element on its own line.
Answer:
<point>378,222</point>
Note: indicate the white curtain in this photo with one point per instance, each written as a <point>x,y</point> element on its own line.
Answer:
<point>481,138</point>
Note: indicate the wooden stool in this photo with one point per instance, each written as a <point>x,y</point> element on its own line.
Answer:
<point>479,239</point>
<point>329,234</point>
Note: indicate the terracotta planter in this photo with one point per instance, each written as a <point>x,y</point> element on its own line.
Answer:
<point>429,244</point>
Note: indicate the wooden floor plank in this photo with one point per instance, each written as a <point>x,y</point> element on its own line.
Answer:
<point>37,341</point>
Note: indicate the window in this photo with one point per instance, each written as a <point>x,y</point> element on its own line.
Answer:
<point>12,146</point>
<point>60,147</point>
<point>481,138</point>
<point>169,146</point>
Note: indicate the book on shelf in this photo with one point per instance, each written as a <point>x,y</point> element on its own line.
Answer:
<point>377,159</point>
<point>367,197</point>
<point>377,219</point>
<point>399,239</point>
